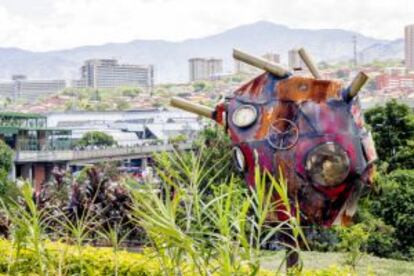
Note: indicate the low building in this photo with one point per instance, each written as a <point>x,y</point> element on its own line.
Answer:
<point>22,88</point>
<point>388,81</point>
<point>29,133</point>
<point>128,128</point>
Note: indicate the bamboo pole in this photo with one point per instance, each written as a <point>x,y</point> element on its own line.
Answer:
<point>260,63</point>
<point>357,83</point>
<point>198,109</point>
<point>309,63</point>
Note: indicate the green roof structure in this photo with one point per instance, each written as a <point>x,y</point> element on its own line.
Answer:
<point>21,115</point>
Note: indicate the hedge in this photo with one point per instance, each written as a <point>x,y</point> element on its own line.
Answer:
<point>59,257</point>
<point>63,259</point>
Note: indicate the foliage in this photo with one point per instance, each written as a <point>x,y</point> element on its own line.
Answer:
<point>177,139</point>
<point>216,150</point>
<point>96,138</point>
<point>6,163</point>
<point>199,86</point>
<point>404,158</point>
<point>393,132</point>
<point>63,259</point>
<point>189,233</point>
<point>102,198</point>
<point>28,224</point>
<point>353,241</point>
<point>122,104</point>
<point>6,160</point>
<point>131,92</point>
<point>322,239</point>
<point>221,233</point>
<point>330,271</point>
<point>395,207</point>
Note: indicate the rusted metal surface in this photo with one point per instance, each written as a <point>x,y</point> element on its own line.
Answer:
<point>309,129</point>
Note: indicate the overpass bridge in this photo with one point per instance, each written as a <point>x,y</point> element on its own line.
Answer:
<point>36,166</point>
<point>95,155</point>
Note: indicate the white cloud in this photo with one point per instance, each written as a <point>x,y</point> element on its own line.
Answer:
<point>69,23</point>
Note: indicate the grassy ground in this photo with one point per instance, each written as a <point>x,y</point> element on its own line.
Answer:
<point>368,264</point>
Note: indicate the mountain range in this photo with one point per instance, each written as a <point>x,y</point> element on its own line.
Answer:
<point>170,59</point>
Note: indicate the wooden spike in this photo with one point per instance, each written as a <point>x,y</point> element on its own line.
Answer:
<point>359,81</point>
<point>201,110</point>
<point>309,63</point>
<point>260,63</point>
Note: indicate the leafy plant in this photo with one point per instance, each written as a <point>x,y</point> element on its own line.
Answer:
<point>393,131</point>
<point>222,232</point>
<point>27,232</point>
<point>6,163</point>
<point>96,138</point>
<point>353,240</point>
<point>395,207</point>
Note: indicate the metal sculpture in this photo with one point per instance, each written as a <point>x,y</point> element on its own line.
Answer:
<point>310,129</point>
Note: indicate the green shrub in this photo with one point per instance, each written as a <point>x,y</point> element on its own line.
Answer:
<point>131,92</point>
<point>96,138</point>
<point>6,163</point>
<point>395,206</point>
<point>353,242</point>
<point>330,271</point>
<point>392,127</point>
<point>65,258</point>
<point>322,239</point>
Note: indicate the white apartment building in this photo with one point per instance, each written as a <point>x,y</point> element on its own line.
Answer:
<point>108,73</point>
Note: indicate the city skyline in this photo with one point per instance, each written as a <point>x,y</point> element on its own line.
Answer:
<point>62,24</point>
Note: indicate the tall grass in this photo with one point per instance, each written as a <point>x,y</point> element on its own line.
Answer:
<point>27,231</point>
<point>196,222</point>
<point>201,224</point>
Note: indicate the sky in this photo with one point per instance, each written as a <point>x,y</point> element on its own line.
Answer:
<point>43,25</point>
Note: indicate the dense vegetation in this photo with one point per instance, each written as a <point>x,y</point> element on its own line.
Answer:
<point>199,219</point>
<point>6,163</point>
<point>385,213</point>
<point>96,138</point>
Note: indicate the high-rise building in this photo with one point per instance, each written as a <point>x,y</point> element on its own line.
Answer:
<point>108,73</point>
<point>214,67</point>
<point>409,46</point>
<point>205,68</point>
<point>294,60</point>
<point>273,57</point>
<point>198,69</point>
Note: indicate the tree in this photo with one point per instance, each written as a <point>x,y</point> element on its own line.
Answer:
<point>6,163</point>
<point>96,138</point>
<point>178,139</point>
<point>395,206</point>
<point>122,105</point>
<point>131,92</point>
<point>199,86</point>
<point>6,157</point>
<point>393,131</point>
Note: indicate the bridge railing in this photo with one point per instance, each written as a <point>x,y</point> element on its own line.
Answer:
<point>97,153</point>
